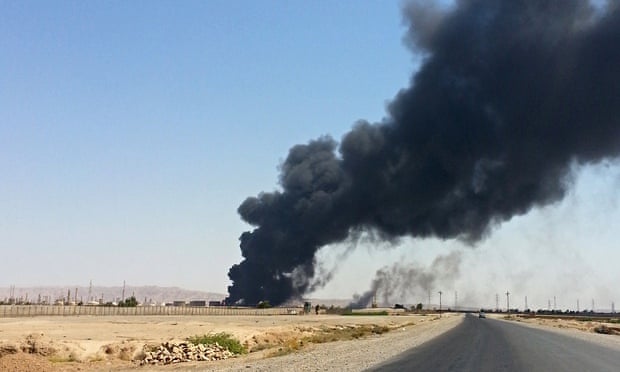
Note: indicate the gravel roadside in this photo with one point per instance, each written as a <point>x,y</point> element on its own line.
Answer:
<point>610,341</point>
<point>343,356</point>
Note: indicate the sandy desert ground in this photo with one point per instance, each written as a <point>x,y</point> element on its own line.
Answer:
<point>89,343</point>
<point>111,343</point>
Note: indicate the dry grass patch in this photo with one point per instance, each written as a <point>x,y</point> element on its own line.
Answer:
<point>346,333</point>
<point>289,346</point>
<point>63,359</point>
<point>323,335</point>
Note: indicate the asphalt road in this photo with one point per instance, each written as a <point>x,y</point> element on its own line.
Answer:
<point>495,345</point>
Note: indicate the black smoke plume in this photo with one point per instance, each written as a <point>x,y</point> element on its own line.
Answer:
<point>404,281</point>
<point>510,94</point>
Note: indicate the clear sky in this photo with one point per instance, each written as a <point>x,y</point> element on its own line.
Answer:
<point>130,132</point>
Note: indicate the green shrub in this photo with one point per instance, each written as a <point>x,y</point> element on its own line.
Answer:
<point>263,305</point>
<point>223,339</point>
<point>129,302</point>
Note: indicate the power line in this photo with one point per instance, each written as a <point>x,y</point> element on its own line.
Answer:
<point>508,301</point>
<point>440,292</point>
<point>455,299</point>
<point>429,299</point>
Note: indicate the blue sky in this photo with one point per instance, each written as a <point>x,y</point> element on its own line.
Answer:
<point>131,131</point>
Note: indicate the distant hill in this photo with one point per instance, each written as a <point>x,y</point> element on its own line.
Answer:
<point>154,294</point>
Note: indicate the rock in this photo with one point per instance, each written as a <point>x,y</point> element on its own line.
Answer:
<point>168,353</point>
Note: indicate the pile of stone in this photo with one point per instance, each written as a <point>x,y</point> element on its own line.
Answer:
<point>170,352</point>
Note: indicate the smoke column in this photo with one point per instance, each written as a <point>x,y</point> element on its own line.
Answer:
<point>510,95</point>
<point>403,281</point>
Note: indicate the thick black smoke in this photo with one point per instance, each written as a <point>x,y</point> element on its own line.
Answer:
<point>510,94</point>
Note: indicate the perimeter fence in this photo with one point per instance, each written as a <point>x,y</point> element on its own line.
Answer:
<point>8,311</point>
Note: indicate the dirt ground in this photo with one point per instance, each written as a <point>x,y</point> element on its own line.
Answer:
<point>589,325</point>
<point>91,343</point>
<point>108,343</point>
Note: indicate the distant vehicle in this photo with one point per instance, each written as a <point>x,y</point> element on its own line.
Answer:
<point>482,314</point>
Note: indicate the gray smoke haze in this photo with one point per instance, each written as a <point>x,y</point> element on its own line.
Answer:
<point>408,281</point>
<point>509,95</point>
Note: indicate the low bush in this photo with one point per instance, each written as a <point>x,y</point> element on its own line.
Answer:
<point>223,339</point>
<point>602,329</point>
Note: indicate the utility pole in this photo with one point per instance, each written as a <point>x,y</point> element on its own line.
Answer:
<point>440,303</point>
<point>496,302</point>
<point>592,305</point>
<point>455,299</point>
<point>526,303</point>
<point>123,296</point>
<point>429,300</point>
<point>508,302</point>
<point>554,304</point>
<point>577,305</point>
